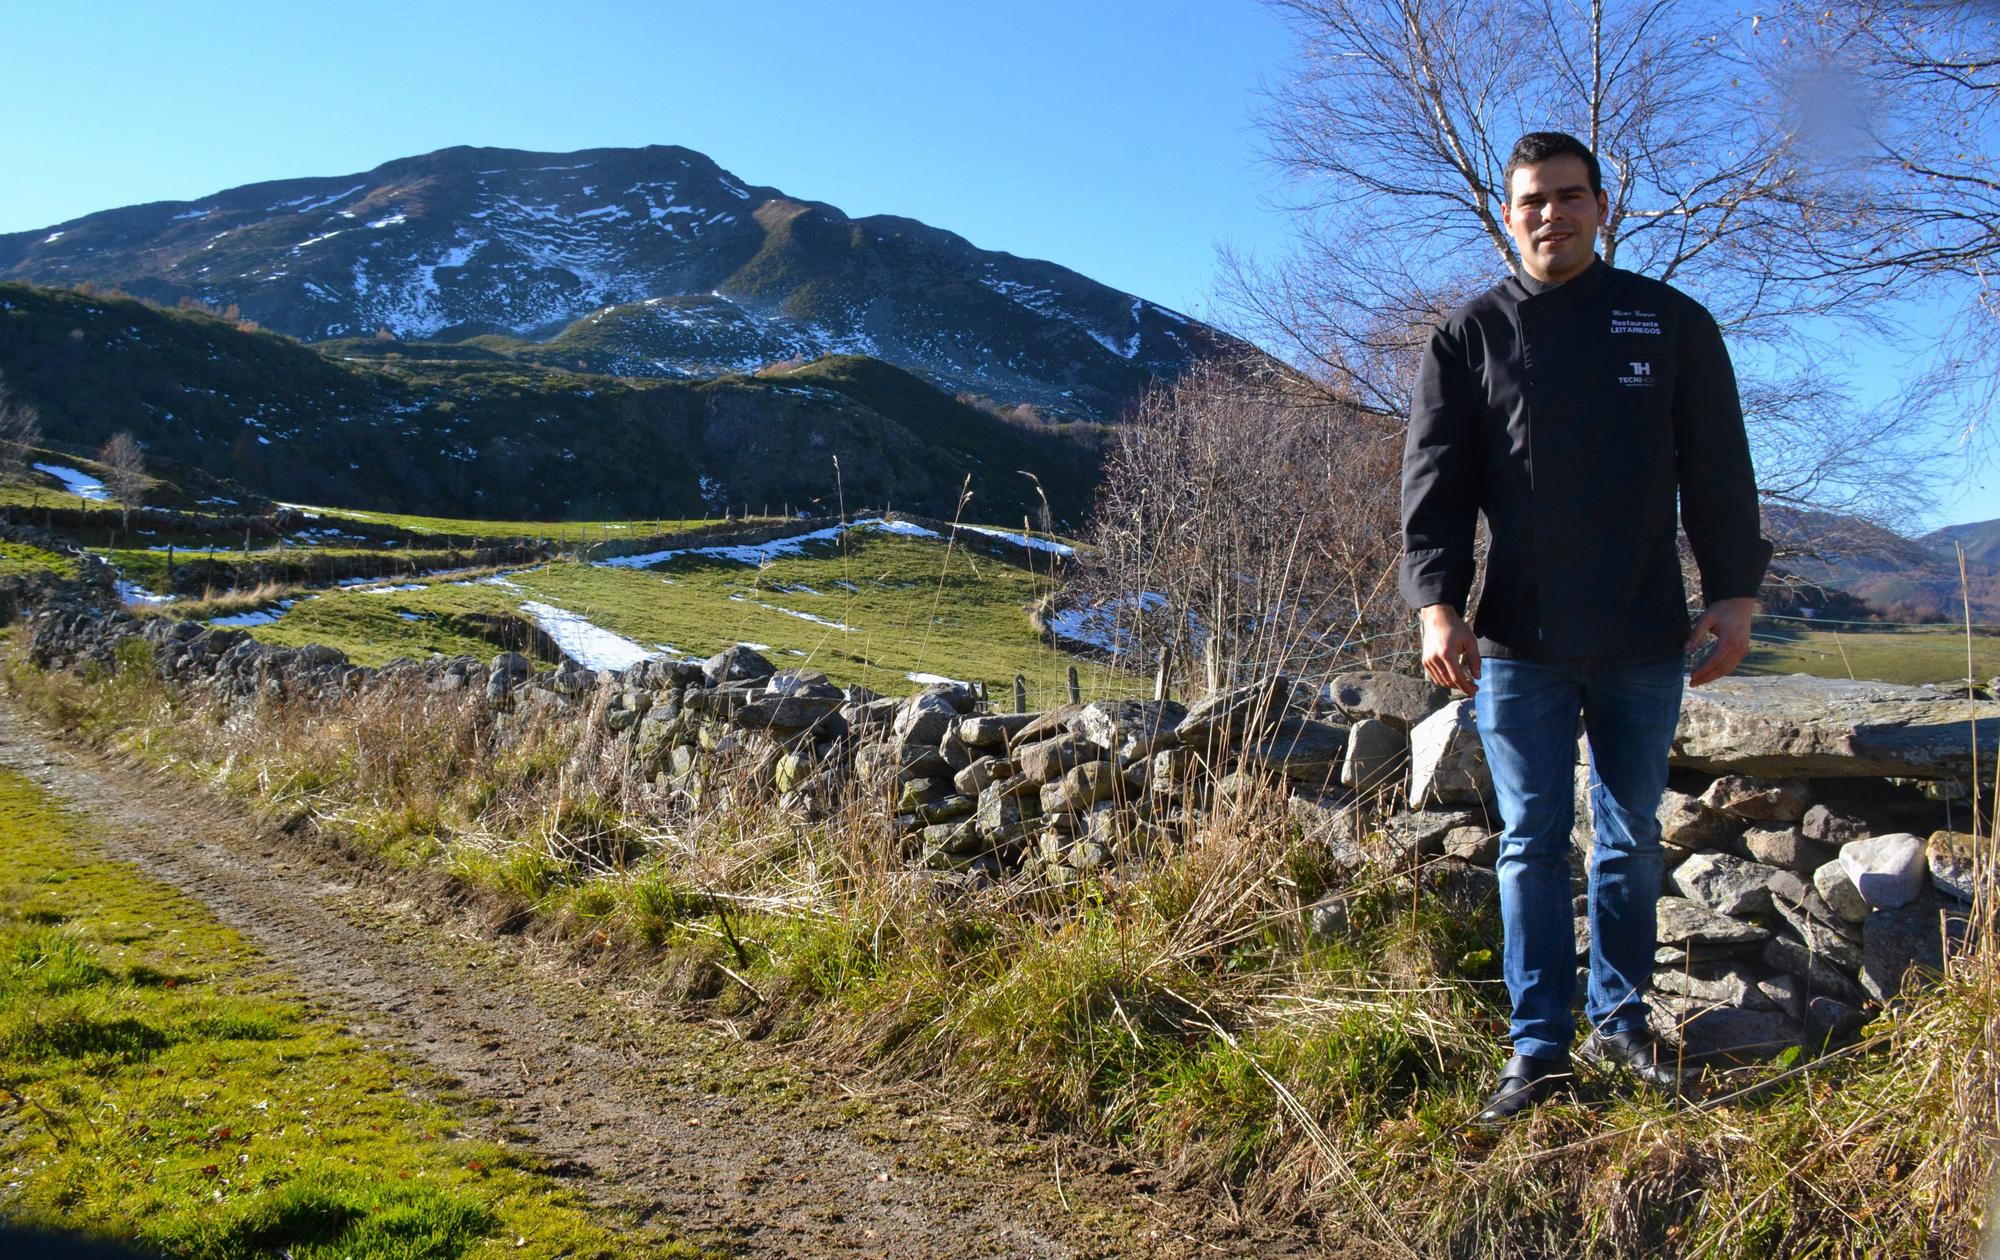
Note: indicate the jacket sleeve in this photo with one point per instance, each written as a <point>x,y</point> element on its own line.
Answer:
<point>1718,487</point>
<point>1440,480</point>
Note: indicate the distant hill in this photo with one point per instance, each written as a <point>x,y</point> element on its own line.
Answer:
<point>650,262</point>
<point>488,436</point>
<point>1902,579</point>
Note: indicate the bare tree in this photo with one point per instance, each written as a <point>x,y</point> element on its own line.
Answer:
<point>1395,131</point>
<point>1240,527</point>
<point>20,432</point>
<point>125,471</point>
<point>1900,105</point>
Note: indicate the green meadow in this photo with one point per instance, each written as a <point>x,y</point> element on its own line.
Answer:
<point>164,1084</point>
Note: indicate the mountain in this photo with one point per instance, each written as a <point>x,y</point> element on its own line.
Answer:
<point>1905,579</point>
<point>650,262</point>
<point>487,436</point>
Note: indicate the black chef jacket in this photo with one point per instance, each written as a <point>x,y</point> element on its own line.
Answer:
<point>1571,416</point>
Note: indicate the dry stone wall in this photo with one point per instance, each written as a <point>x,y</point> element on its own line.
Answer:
<point>1818,833</point>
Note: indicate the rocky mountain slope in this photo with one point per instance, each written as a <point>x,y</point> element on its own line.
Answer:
<point>634,262</point>
<point>1907,579</point>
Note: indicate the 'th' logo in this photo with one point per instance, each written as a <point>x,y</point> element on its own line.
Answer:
<point>1642,369</point>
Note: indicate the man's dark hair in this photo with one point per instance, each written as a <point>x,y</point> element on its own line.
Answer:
<point>1539,146</point>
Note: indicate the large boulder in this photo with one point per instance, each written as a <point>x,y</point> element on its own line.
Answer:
<point>1396,699</point>
<point>1131,730</point>
<point>1805,727</point>
<point>1447,761</point>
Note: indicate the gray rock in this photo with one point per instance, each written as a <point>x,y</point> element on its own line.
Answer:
<point>1804,727</point>
<point>737,664</point>
<point>1221,717</point>
<point>1686,923</point>
<point>1759,800</point>
<point>1083,786</point>
<point>992,730</point>
<point>1331,825</point>
<point>1422,832</point>
<point>1888,871</point>
<point>1301,749</point>
<point>1953,857</point>
<point>1831,1022</point>
<point>1131,729</point>
<point>1820,937</point>
<point>1783,954</point>
<point>1839,893</point>
<point>1050,759</point>
<point>1832,827</point>
<point>1398,700</point>
<point>1708,1032</point>
<point>1477,845</point>
<point>1785,993</point>
<point>1001,817</point>
<point>1725,884</point>
<point>926,717</point>
<point>1377,753</point>
<point>1787,847</point>
<point>1327,918</point>
<point>1447,761</point>
<point>1686,823</point>
<point>1060,720</point>
<point>805,684</point>
<point>1895,940</point>
<point>974,778</point>
<point>1720,984</point>
<point>786,713</point>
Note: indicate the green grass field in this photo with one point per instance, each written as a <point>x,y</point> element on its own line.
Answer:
<point>883,608</point>
<point>1902,654</point>
<point>572,532</point>
<point>22,560</point>
<point>162,1084</point>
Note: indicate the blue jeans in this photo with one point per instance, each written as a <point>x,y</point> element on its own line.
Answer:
<point>1527,714</point>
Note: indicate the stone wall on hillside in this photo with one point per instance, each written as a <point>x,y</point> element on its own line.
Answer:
<point>1819,833</point>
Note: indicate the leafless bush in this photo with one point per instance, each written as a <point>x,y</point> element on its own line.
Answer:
<point>1243,525</point>
<point>20,432</point>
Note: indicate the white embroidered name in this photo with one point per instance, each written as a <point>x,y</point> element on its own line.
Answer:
<point>1646,322</point>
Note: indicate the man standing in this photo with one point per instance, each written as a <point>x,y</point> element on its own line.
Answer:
<point>1572,405</point>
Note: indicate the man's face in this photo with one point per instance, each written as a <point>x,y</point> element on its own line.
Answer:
<point>1553,217</point>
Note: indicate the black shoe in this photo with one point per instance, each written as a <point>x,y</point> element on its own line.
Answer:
<point>1524,1082</point>
<point>1639,1054</point>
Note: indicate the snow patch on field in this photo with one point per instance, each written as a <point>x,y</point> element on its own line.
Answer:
<point>589,645</point>
<point>256,617</point>
<point>765,552</point>
<point>82,485</point>
<point>1033,544</point>
<point>1104,624</point>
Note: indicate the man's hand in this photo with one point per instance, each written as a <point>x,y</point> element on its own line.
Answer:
<point>1729,621</point>
<point>1451,652</point>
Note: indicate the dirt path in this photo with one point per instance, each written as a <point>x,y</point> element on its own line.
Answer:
<point>721,1141</point>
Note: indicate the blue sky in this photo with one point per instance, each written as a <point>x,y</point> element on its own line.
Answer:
<point>1116,137</point>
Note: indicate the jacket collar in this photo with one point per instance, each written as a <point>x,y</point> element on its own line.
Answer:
<point>1580,289</point>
